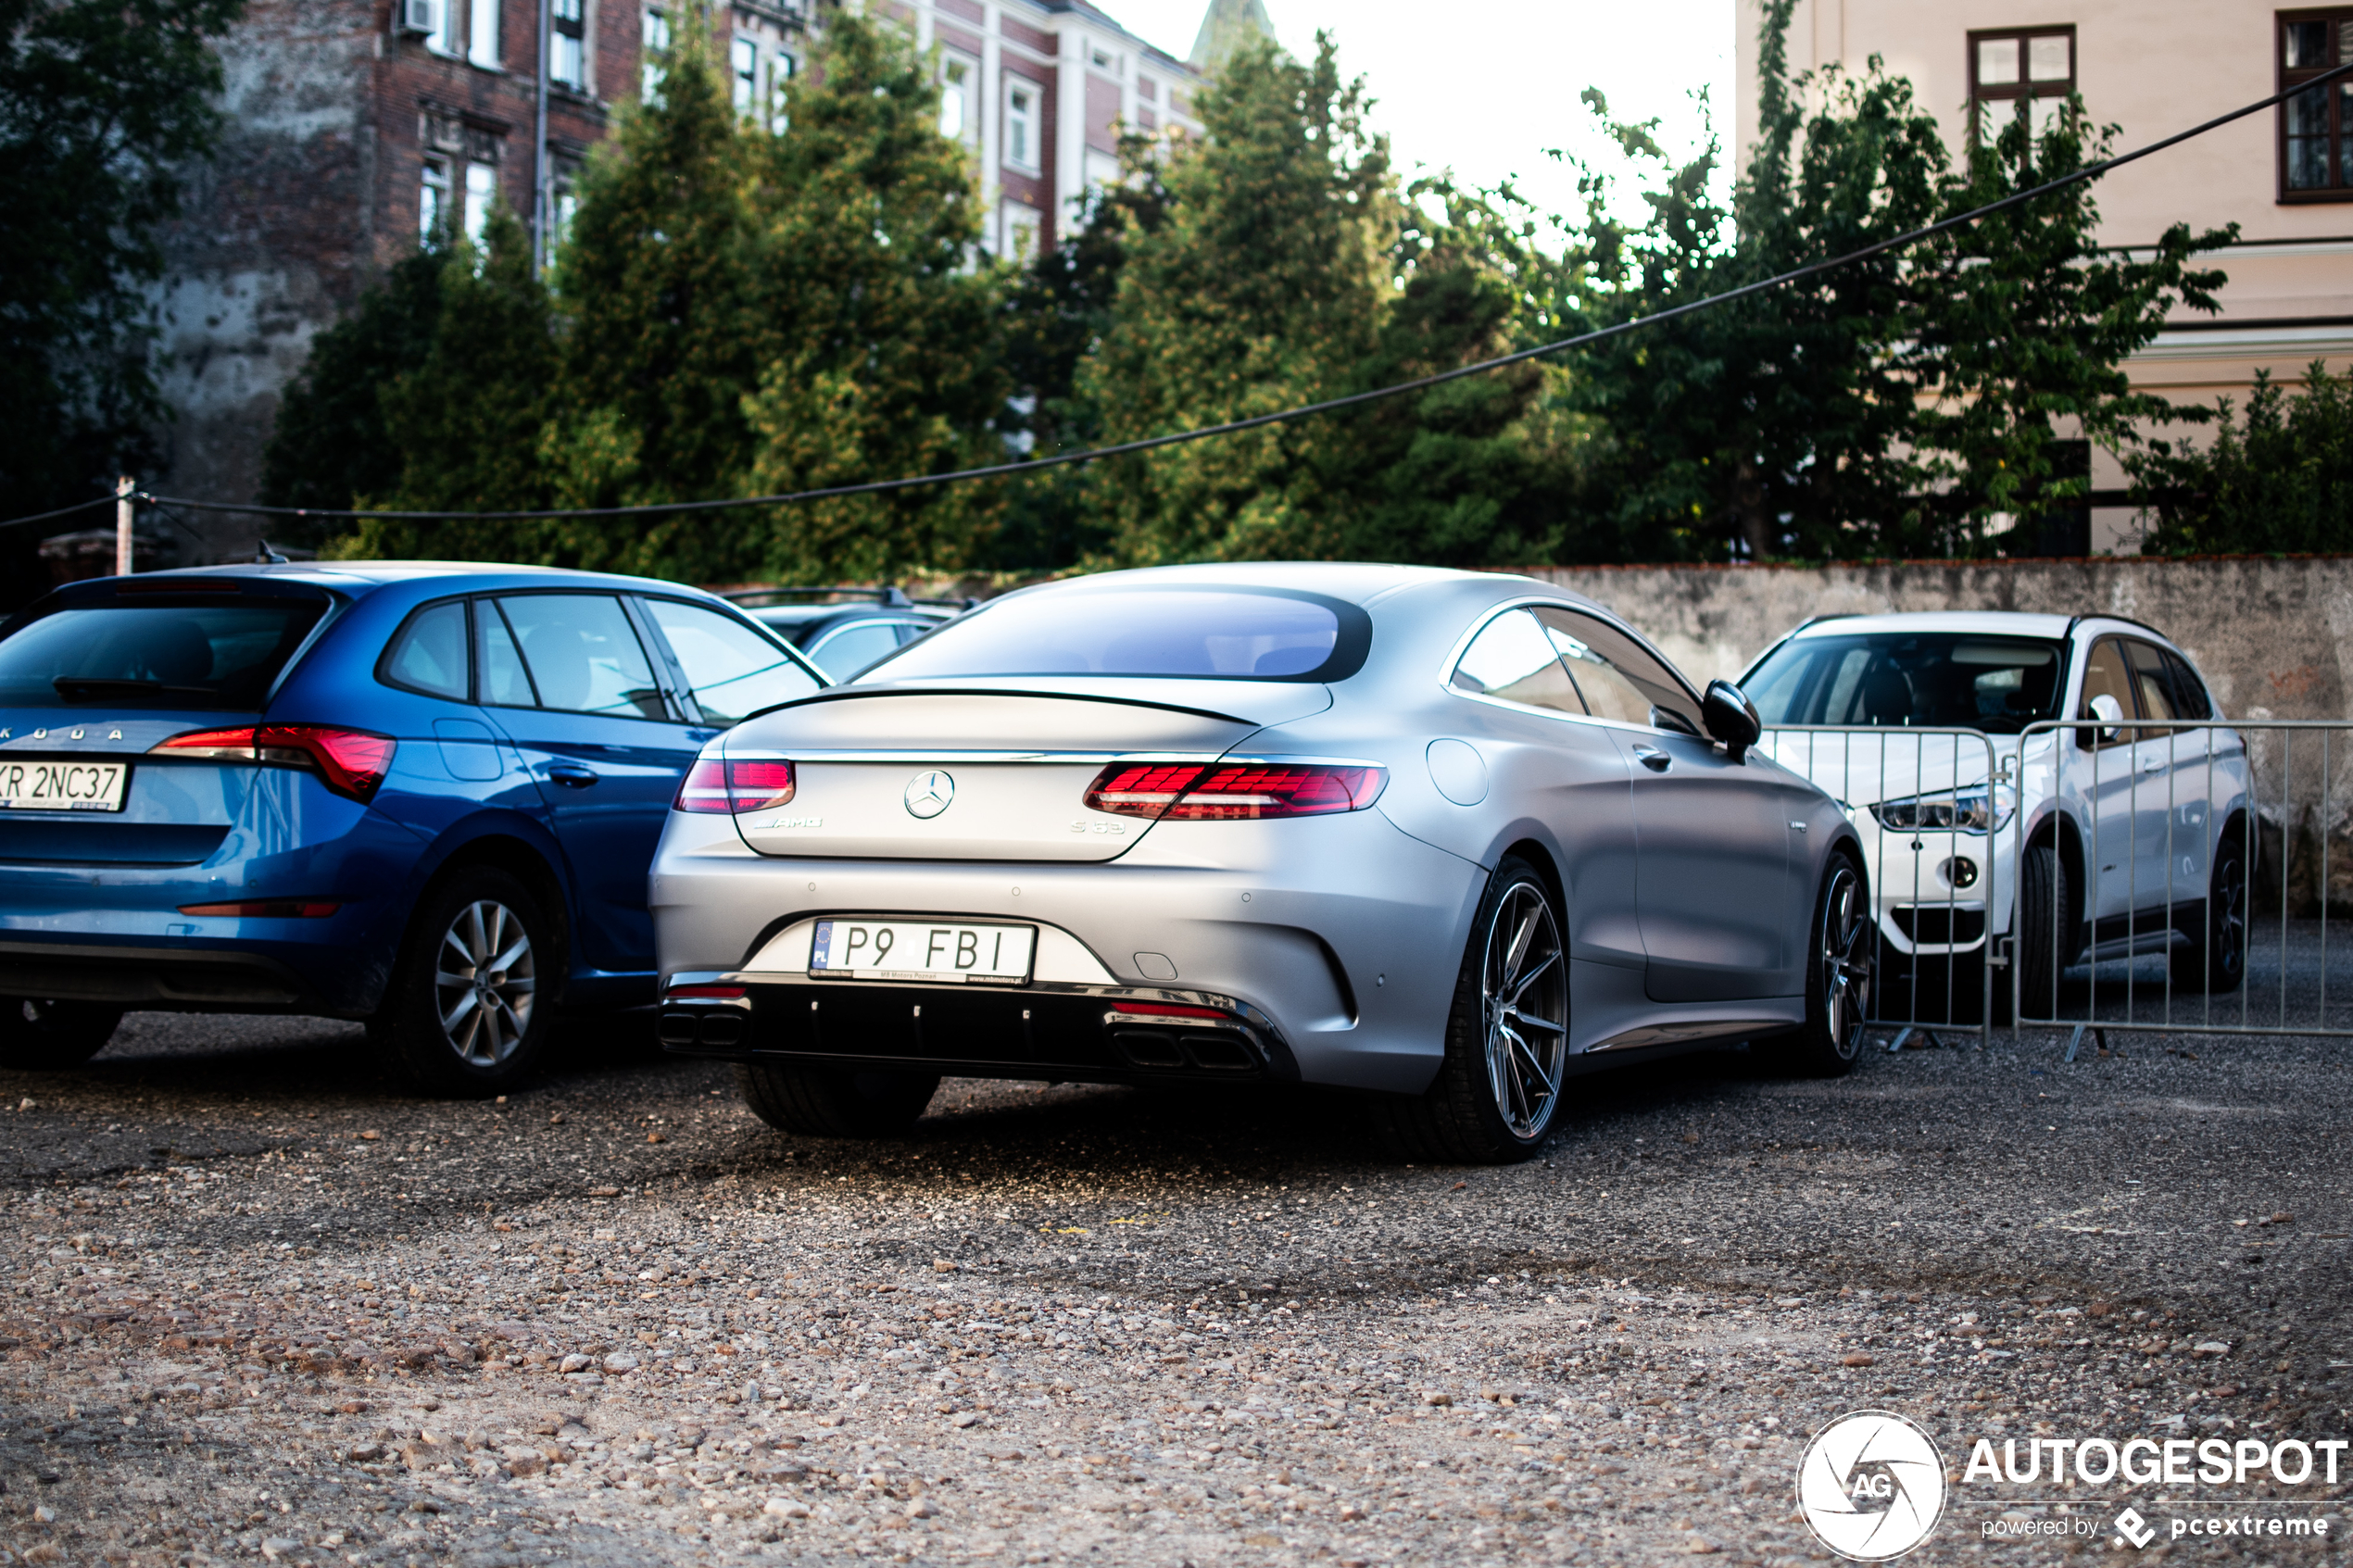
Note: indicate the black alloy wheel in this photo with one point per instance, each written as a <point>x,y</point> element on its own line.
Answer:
<point>1498,1087</point>
<point>2214,959</point>
<point>1841,944</point>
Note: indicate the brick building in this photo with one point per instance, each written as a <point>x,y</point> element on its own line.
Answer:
<point>354,125</point>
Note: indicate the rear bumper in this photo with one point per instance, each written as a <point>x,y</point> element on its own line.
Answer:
<point>1047,1030</point>
<point>174,979</point>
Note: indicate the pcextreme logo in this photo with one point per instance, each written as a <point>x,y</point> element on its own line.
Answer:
<point>1871,1485</point>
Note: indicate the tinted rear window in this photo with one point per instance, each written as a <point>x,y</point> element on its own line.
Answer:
<point>1212,633</point>
<point>177,654</point>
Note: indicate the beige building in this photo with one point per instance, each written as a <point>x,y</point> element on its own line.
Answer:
<point>2152,68</point>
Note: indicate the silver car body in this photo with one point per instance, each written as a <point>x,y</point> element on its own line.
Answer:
<point>1687,881</point>
<point>2151,804</point>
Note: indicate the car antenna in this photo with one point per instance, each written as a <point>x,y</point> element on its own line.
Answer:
<point>264,556</point>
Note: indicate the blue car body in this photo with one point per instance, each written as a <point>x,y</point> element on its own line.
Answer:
<point>322,874</point>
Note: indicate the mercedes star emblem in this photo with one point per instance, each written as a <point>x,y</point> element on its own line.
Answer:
<point>929,793</point>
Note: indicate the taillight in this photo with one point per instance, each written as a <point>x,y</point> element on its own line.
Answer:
<point>1230,791</point>
<point>704,994</point>
<point>350,762</point>
<point>266,908</point>
<point>719,787</point>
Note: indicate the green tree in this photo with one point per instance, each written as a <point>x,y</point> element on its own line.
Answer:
<point>104,106</point>
<point>329,444</point>
<point>2282,483</point>
<point>1262,288</point>
<point>2023,322</point>
<point>882,351</point>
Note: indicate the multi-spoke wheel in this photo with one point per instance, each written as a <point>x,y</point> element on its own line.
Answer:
<point>1498,1087</point>
<point>45,1037</point>
<point>463,1014</point>
<point>1524,1010</point>
<point>1838,977</point>
<point>2214,959</point>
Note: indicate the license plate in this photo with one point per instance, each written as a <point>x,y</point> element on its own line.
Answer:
<point>63,786</point>
<point>928,950</point>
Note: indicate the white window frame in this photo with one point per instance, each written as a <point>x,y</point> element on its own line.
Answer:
<point>653,49</point>
<point>481,192</point>
<point>743,75</point>
<point>443,39</point>
<point>568,51</point>
<point>1022,126</point>
<point>433,197</point>
<point>781,68</point>
<point>966,92</point>
<point>482,34</point>
<point>1019,226</point>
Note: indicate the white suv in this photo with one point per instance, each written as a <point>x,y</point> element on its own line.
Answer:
<point>2135,835</point>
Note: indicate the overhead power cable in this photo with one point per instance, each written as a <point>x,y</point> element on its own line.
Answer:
<point>1284,416</point>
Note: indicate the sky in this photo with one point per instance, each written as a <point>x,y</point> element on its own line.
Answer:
<point>1486,89</point>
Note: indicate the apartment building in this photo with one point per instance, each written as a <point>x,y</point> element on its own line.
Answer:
<point>354,126</point>
<point>2151,67</point>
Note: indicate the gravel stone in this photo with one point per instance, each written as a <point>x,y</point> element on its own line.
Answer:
<point>1170,1328</point>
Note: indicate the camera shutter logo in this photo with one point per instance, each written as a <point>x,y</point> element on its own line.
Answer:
<point>929,793</point>
<point>1871,1485</point>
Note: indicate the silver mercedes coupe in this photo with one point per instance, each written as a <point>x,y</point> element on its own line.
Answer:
<point>1444,838</point>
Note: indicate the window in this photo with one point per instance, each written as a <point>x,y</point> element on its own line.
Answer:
<point>1617,677</point>
<point>2316,128</point>
<point>743,72</point>
<point>957,80</point>
<point>428,654</point>
<point>505,683</point>
<point>568,47</point>
<point>482,33</point>
<point>1213,632</point>
<point>1101,59</point>
<point>482,194</point>
<point>653,51</point>
<point>185,655</point>
<point>566,203</point>
<point>1021,127</point>
<point>1513,660</point>
<point>443,39</point>
<point>1021,224</point>
<point>432,202</point>
<point>2106,674</point>
<point>780,69</point>
<point>582,655</point>
<point>2029,71</point>
<point>1896,679</point>
<point>2189,693</point>
<point>731,669</point>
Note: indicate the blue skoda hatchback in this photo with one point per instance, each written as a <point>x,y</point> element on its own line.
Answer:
<point>419,794</point>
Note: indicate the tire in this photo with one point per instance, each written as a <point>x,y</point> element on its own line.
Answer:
<point>1840,942</point>
<point>2045,930</point>
<point>44,1036</point>
<point>1498,1086</point>
<point>835,1102</point>
<point>2214,959</point>
<point>455,1022</point>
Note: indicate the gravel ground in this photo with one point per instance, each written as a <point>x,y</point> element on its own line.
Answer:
<point>259,1305</point>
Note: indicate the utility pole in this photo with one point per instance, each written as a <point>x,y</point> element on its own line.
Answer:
<point>542,201</point>
<point>124,558</point>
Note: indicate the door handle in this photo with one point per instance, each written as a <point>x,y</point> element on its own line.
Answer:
<point>1651,756</point>
<point>573,776</point>
<point>2152,764</point>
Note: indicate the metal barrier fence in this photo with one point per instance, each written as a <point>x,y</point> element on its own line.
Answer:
<point>1929,806</point>
<point>2196,896</point>
<point>2097,875</point>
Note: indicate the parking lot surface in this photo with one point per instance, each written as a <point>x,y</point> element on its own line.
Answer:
<point>261,1306</point>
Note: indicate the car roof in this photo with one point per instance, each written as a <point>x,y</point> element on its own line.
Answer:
<point>364,576</point>
<point>1358,582</point>
<point>2016,624</point>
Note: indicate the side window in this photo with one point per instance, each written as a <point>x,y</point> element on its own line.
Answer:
<point>2189,693</point>
<point>731,669</point>
<point>505,683</point>
<point>1620,678</point>
<point>2155,685</point>
<point>2106,674</point>
<point>428,654</point>
<point>584,655</point>
<point>1513,660</point>
<point>844,653</point>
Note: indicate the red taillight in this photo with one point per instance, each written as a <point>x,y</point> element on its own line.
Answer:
<point>1230,791</point>
<point>265,909</point>
<point>351,762</point>
<point>723,787</point>
<point>704,993</point>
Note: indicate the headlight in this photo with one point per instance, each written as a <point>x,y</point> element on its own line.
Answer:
<point>1971,808</point>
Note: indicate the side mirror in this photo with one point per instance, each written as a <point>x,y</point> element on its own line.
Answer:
<point>1732,718</point>
<point>2110,713</point>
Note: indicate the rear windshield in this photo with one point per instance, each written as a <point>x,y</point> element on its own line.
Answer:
<point>1949,680</point>
<point>222,655</point>
<point>1212,633</point>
